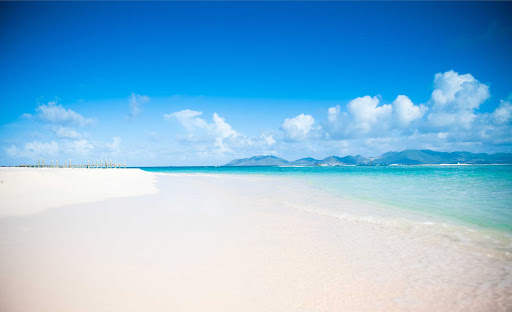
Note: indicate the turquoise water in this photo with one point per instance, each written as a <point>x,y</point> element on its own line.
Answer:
<point>478,196</point>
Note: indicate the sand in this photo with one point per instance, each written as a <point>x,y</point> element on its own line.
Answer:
<point>223,243</point>
<point>26,191</point>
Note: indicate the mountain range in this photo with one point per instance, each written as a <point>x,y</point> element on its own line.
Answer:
<point>407,157</point>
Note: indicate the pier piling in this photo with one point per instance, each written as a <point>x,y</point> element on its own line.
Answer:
<point>98,164</point>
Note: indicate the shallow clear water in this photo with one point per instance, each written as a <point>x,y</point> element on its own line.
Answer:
<point>475,196</point>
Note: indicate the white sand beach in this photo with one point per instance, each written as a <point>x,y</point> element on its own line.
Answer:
<point>27,191</point>
<point>129,240</point>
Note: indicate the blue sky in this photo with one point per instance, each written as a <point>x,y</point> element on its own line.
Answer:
<point>201,83</point>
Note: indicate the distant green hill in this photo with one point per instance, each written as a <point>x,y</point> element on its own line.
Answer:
<point>407,157</point>
<point>305,162</point>
<point>259,161</point>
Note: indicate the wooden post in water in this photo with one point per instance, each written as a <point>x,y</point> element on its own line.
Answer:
<point>70,163</point>
<point>43,163</point>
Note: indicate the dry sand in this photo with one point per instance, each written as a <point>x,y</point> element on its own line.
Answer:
<point>222,243</point>
<point>25,191</point>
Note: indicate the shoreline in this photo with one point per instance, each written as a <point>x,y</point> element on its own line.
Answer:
<point>394,210</point>
<point>232,243</point>
<point>138,182</point>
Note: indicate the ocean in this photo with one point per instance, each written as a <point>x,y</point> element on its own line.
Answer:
<point>463,198</point>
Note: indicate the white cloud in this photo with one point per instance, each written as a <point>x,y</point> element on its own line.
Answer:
<point>449,120</point>
<point>115,146</point>
<point>188,119</point>
<point>366,115</point>
<point>217,133</point>
<point>136,101</point>
<point>333,113</point>
<point>64,132</point>
<point>269,139</point>
<point>39,148</point>
<point>222,147</point>
<point>55,113</point>
<point>191,121</point>
<point>367,125</point>
<point>299,127</point>
<point>34,149</point>
<point>221,128</point>
<point>78,147</point>
<point>503,113</point>
<point>455,99</point>
<point>458,91</point>
<point>405,111</point>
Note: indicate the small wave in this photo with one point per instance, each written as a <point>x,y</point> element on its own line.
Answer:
<point>491,242</point>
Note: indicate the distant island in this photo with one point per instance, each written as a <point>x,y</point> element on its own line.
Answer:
<point>407,157</point>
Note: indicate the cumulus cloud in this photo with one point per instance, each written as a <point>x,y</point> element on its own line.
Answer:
<point>221,128</point>
<point>367,114</point>
<point>136,102</point>
<point>39,148</point>
<point>78,147</point>
<point>268,138</point>
<point>449,120</point>
<point>405,111</point>
<point>333,113</point>
<point>34,149</point>
<point>65,132</point>
<point>196,125</point>
<point>222,147</point>
<point>188,119</point>
<point>299,127</point>
<point>454,91</point>
<point>455,99</point>
<point>364,116</point>
<point>503,113</point>
<point>55,113</point>
<point>217,133</point>
<point>215,138</point>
